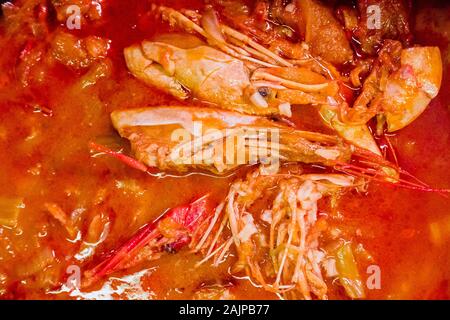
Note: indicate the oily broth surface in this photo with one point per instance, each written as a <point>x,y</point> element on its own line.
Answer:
<point>46,159</point>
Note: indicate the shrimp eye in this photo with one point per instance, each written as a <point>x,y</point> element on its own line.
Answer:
<point>264,91</point>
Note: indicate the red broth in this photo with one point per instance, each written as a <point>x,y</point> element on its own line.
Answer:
<point>45,159</point>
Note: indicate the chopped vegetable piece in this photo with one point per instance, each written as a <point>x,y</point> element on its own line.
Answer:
<point>348,272</point>
<point>9,211</point>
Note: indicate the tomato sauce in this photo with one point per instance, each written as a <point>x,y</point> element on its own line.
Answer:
<point>45,129</point>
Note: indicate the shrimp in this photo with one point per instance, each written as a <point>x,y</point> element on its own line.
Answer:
<point>399,87</point>
<point>233,71</point>
<point>179,227</point>
<point>180,139</point>
<point>278,246</point>
<point>210,75</point>
<point>229,69</point>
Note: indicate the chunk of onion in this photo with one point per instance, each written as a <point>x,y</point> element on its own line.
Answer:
<point>9,211</point>
<point>348,272</point>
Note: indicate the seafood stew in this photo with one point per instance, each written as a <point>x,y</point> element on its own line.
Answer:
<point>224,149</point>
